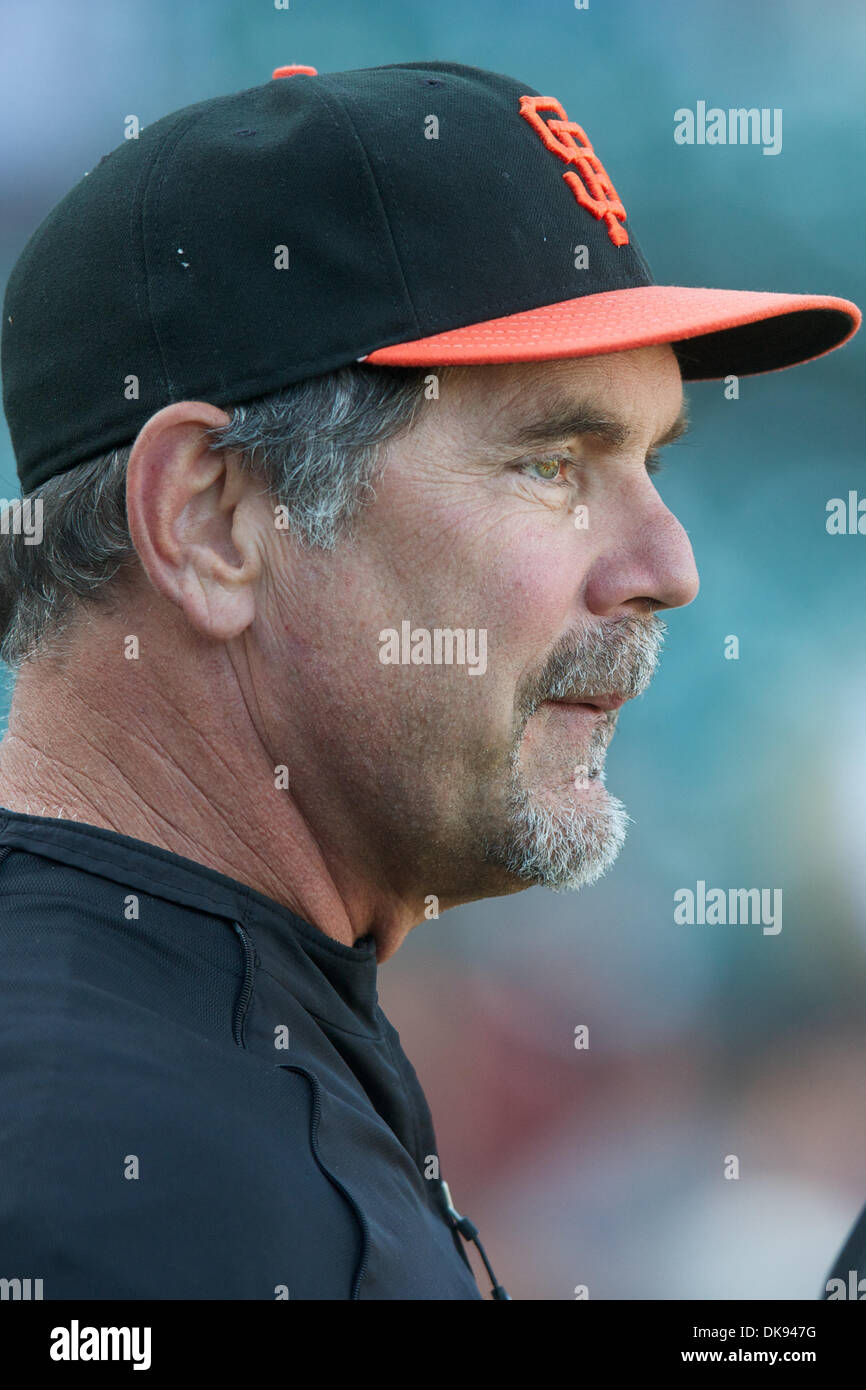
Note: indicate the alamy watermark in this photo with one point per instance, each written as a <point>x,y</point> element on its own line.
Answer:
<point>444,646</point>
<point>737,126</point>
<point>20,1289</point>
<point>22,517</point>
<point>718,906</point>
<point>854,1289</point>
<point>846,519</point>
<point>77,1343</point>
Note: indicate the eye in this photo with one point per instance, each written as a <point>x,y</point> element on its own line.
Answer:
<point>547,469</point>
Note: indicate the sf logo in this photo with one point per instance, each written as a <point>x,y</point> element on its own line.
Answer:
<point>591,185</point>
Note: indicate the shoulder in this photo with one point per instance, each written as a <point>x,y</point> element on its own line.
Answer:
<point>142,1160</point>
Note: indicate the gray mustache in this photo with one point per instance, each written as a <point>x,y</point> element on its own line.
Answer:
<point>617,658</point>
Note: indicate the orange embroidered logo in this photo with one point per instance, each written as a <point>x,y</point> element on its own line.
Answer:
<point>591,185</point>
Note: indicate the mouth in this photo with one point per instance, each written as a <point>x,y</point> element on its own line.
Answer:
<point>598,704</point>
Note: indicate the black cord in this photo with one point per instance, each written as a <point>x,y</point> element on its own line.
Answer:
<point>470,1232</point>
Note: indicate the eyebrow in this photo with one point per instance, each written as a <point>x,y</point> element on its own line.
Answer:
<point>567,419</point>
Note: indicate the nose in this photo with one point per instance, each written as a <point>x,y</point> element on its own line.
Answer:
<point>648,559</point>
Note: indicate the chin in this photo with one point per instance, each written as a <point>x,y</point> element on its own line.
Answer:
<point>565,847</point>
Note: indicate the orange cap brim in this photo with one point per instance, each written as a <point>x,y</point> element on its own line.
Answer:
<point>715,333</point>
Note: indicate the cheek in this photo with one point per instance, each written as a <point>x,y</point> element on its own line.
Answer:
<point>531,591</point>
<point>528,597</point>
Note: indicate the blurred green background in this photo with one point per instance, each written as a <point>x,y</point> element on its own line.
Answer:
<point>605,1167</point>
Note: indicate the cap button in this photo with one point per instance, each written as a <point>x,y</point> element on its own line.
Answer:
<point>291,68</point>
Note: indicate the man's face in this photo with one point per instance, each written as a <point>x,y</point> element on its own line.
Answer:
<point>559,550</point>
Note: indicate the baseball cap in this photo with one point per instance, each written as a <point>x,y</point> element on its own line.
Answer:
<point>407,215</point>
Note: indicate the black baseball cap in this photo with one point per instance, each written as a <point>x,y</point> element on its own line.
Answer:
<point>407,215</point>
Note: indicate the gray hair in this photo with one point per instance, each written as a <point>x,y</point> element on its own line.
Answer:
<point>316,447</point>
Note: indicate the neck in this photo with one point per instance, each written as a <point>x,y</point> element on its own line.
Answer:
<point>171,755</point>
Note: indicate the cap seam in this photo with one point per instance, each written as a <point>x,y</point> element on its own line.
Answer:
<point>161,163</point>
<point>138,213</point>
<point>398,260</point>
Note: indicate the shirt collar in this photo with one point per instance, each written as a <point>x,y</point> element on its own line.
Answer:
<point>335,982</point>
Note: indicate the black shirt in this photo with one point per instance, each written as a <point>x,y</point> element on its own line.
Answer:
<point>199,1094</point>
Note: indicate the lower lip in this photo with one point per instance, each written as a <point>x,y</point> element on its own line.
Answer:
<point>583,720</point>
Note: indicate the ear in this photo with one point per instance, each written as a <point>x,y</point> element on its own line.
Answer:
<point>195,518</point>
